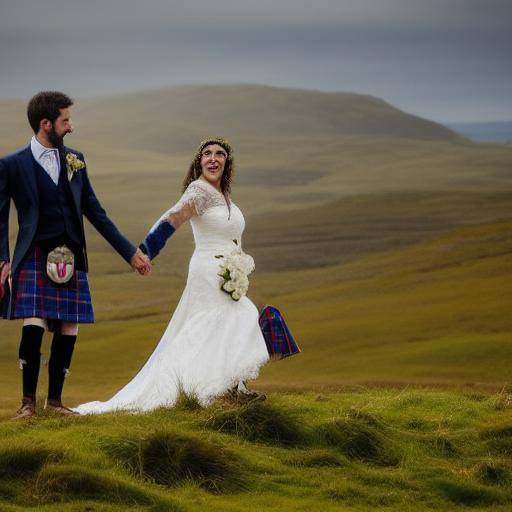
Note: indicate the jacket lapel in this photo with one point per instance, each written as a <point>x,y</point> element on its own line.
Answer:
<point>74,184</point>
<point>29,172</point>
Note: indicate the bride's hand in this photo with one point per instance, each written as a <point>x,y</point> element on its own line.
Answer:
<point>140,263</point>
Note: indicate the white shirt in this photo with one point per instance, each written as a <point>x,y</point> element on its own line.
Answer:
<point>47,158</point>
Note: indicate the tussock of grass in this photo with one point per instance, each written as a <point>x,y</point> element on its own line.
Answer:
<point>187,402</point>
<point>466,493</point>
<point>7,492</point>
<point>259,422</point>
<point>345,493</point>
<point>499,439</point>
<point>170,459</point>
<point>441,444</point>
<point>357,440</point>
<point>372,420</point>
<point>502,400</point>
<point>502,432</point>
<point>21,461</point>
<point>417,424</point>
<point>492,472</point>
<point>63,483</point>
<point>316,458</point>
<point>475,396</point>
<point>412,400</point>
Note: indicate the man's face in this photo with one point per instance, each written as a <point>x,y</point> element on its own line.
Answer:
<point>60,127</point>
<point>62,124</point>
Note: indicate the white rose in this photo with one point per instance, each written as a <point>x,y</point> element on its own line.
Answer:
<point>229,286</point>
<point>237,275</point>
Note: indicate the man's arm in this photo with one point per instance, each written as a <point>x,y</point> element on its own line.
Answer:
<point>5,201</point>
<point>98,217</point>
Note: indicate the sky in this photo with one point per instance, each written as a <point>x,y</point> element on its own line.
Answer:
<point>445,60</point>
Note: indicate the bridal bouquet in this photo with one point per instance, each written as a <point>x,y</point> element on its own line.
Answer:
<point>234,270</point>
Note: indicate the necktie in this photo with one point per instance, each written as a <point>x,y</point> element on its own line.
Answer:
<point>50,164</point>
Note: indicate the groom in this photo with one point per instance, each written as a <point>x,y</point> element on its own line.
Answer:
<point>49,185</point>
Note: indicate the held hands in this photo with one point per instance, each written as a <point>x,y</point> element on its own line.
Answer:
<point>140,263</point>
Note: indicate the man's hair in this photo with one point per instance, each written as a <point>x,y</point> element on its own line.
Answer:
<point>46,105</point>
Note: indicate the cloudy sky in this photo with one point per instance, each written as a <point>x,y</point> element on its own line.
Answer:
<point>447,60</point>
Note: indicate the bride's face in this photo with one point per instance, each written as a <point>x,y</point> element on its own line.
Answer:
<point>213,161</point>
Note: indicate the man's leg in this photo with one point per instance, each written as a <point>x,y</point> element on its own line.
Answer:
<point>63,344</point>
<point>30,362</point>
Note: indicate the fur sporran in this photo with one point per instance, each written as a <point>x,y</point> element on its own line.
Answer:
<point>60,264</point>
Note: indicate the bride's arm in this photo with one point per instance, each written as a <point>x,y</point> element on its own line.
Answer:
<point>191,203</point>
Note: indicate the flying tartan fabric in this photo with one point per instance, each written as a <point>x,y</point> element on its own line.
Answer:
<point>36,296</point>
<point>279,339</point>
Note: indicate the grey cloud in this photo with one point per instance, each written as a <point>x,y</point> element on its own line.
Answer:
<point>446,60</point>
<point>55,14</point>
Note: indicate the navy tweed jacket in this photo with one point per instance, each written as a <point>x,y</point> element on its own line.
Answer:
<point>18,182</point>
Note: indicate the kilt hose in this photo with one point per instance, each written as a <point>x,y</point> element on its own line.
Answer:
<point>34,295</point>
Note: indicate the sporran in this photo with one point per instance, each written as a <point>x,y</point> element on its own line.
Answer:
<point>60,264</point>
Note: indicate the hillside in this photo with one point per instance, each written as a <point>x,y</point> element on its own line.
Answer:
<point>167,120</point>
<point>432,314</point>
<point>171,120</point>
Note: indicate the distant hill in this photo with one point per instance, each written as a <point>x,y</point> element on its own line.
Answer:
<point>485,132</point>
<point>174,119</point>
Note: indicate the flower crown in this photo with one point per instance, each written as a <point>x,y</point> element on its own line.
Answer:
<point>215,140</point>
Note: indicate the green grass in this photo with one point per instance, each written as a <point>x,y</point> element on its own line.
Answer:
<point>359,440</point>
<point>169,459</point>
<point>359,450</point>
<point>259,422</point>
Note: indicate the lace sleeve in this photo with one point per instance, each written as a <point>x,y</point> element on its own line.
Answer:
<point>194,201</point>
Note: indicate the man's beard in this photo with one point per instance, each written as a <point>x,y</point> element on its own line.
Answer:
<point>56,140</point>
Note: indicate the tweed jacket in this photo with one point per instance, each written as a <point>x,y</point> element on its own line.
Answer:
<point>18,182</point>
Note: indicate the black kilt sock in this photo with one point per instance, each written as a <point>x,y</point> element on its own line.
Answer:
<point>58,366</point>
<point>30,358</point>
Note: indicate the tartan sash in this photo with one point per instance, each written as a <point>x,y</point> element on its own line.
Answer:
<point>279,339</point>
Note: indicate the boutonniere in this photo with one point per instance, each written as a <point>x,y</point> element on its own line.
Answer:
<point>73,165</point>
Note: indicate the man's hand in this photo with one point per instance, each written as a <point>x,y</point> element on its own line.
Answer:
<point>5,269</point>
<point>140,263</point>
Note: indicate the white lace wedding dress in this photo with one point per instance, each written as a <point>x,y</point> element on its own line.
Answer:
<point>212,342</point>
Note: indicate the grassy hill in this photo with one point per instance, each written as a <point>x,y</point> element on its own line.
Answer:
<point>169,119</point>
<point>363,450</point>
<point>172,120</point>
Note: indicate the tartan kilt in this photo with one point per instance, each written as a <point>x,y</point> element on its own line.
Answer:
<point>34,295</point>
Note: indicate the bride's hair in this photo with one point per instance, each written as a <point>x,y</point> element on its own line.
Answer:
<point>194,171</point>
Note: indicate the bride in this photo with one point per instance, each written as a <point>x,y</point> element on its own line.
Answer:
<point>212,343</point>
